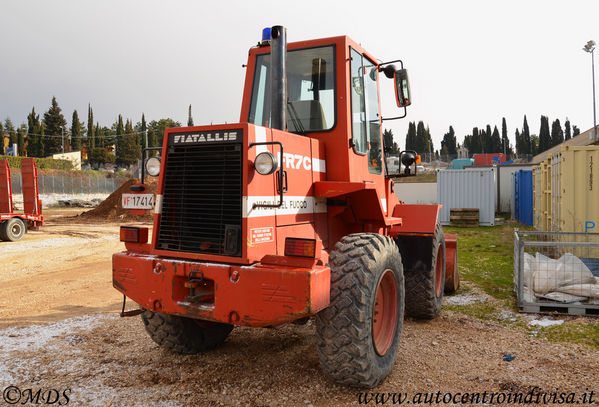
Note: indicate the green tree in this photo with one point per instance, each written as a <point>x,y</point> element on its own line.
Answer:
<point>534,145</point>
<point>55,128</point>
<point>505,141</point>
<point>127,151</point>
<point>91,140</point>
<point>568,130</point>
<point>519,143</point>
<point>544,135</point>
<point>21,134</point>
<point>98,155</point>
<point>390,146</point>
<point>189,118</point>
<point>557,134</point>
<point>525,137</point>
<point>141,128</point>
<point>159,127</point>
<point>495,141</point>
<point>34,143</point>
<point>77,130</point>
<point>575,131</point>
<point>9,129</point>
<point>411,136</point>
<point>448,144</point>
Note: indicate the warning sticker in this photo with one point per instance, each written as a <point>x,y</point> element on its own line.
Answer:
<point>262,235</point>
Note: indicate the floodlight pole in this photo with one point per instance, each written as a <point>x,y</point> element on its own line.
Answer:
<point>590,47</point>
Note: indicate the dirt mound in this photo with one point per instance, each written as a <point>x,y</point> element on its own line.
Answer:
<point>111,208</point>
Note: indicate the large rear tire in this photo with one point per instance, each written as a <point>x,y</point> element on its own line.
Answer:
<point>184,335</point>
<point>359,333</point>
<point>424,288</point>
<point>12,230</point>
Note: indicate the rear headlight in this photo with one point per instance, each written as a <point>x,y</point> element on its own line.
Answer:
<point>265,163</point>
<point>153,166</point>
<point>131,234</point>
<point>300,247</point>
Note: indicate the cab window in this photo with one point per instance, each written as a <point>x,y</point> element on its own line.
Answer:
<point>366,123</point>
<point>311,94</point>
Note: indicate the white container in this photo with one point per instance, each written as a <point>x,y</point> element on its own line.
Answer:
<point>467,189</point>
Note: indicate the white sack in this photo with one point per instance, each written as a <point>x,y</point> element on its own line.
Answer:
<point>549,275</point>
<point>586,290</point>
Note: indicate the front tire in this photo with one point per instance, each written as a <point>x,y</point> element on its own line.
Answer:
<point>359,333</point>
<point>184,335</point>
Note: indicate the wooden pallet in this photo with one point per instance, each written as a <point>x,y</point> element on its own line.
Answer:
<point>570,309</point>
<point>464,217</point>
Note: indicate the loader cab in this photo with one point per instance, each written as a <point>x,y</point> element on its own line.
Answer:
<point>332,96</point>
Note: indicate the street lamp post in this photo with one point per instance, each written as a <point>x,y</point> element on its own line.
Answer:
<point>590,47</point>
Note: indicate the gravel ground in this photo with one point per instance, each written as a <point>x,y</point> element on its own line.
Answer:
<point>59,329</point>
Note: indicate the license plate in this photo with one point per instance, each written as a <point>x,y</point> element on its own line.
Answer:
<point>138,201</point>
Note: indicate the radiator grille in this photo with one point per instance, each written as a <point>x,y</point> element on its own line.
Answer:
<point>202,199</point>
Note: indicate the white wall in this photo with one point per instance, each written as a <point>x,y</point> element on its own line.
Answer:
<point>416,192</point>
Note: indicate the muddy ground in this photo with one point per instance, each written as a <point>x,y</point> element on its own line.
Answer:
<point>59,329</point>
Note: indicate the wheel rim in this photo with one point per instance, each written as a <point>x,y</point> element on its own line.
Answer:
<point>439,272</point>
<point>385,313</point>
<point>16,229</point>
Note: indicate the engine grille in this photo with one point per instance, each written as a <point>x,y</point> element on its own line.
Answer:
<point>202,199</point>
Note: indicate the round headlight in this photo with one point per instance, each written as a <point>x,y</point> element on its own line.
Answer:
<point>153,166</point>
<point>265,163</point>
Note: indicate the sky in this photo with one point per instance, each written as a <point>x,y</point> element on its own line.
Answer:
<point>470,63</point>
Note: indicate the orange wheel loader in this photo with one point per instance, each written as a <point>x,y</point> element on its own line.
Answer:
<point>289,214</point>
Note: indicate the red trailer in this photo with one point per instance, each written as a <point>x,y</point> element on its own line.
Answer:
<point>13,226</point>
<point>488,159</point>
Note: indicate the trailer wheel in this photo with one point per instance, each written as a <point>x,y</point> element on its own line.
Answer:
<point>12,230</point>
<point>424,288</point>
<point>184,335</point>
<point>359,333</point>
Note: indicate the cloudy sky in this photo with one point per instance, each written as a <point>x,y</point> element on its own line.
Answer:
<point>470,62</point>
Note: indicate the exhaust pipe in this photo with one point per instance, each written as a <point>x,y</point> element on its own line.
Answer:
<point>278,78</point>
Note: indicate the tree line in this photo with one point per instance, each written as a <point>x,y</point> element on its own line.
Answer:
<point>121,143</point>
<point>487,140</point>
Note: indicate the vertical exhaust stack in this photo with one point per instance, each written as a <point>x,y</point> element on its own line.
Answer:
<point>278,78</point>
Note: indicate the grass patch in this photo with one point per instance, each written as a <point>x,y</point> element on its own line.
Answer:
<point>486,258</point>
<point>420,177</point>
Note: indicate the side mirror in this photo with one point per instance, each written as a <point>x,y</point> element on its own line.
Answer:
<point>402,88</point>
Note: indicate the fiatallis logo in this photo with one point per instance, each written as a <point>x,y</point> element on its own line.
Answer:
<point>205,137</point>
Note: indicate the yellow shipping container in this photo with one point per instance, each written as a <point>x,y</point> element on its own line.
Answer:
<point>542,197</point>
<point>576,171</point>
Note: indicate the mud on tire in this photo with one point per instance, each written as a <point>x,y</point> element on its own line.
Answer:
<point>184,335</point>
<point>424,293</point>
<point>361,264</point>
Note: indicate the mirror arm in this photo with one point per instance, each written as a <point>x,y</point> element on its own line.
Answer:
<point>390,62</point>
<point>405,113</point>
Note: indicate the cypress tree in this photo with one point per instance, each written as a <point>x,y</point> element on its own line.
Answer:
<point>495,141</point>
<point>143,130</point>
<point>76,132</point>
<point>544,135</point>
<point>526,138</point>
<point>33,134</point>
<point>411,136</point>
<point>21,132</point>
<point>189,118</point>
<point>557,134</point>
<point>568,131</point>
<point>90,127</point>
<point>505,141</point>
<point>475,144</point>
<point>55,128</point>
<point>519,144</point>
<point>127,151</point>
<point>448,144</point>
<point>575,131</point>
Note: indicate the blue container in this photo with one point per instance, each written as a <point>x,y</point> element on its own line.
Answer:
<point>523,196</point>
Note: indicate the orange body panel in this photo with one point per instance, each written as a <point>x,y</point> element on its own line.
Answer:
<point>5,188</point>
<point>243,295</point>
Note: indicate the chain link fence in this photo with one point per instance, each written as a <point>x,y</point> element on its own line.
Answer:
<point>70,185</point>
